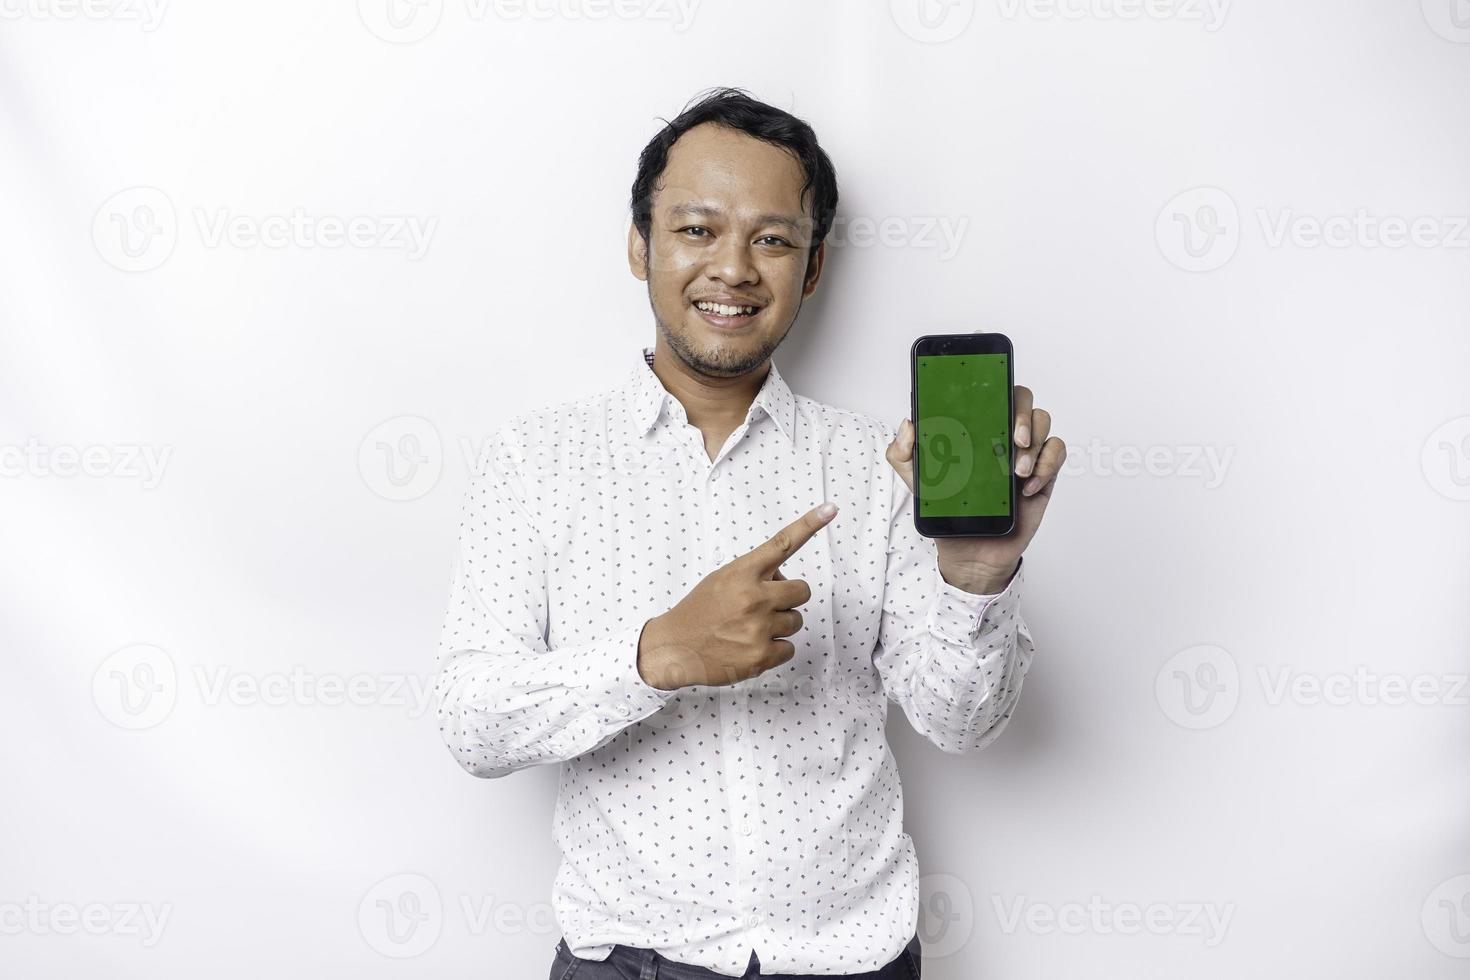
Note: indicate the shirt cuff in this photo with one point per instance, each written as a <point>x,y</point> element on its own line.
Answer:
<point>958,614</point>
<point>627,697</point>
<point>618,697</point>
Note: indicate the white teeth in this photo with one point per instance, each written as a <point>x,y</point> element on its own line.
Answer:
<point>723,310</point>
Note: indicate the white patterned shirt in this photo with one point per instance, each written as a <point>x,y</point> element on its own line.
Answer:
<point>708,822</point>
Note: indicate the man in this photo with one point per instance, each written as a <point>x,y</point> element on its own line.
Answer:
<point>648,592</point>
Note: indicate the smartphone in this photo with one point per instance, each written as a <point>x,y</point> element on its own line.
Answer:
<point>965,482</point>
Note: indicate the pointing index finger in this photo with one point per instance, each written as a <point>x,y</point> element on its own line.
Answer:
<point>768,556</point>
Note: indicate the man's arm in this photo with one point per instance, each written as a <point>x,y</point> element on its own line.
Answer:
<point>505,700</point>
<point>954,661</point>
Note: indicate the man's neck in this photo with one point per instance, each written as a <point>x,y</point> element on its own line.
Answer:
<point>715,406</point>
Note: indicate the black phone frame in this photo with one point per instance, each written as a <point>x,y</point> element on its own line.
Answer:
<point>940,344</point>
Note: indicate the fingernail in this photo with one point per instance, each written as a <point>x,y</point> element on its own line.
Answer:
<point>826,510</point>
<point>1023,466</point>
<point>1031,485</point>
<point>1023,435</point>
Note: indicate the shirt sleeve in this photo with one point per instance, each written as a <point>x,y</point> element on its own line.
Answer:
<point>951,659</point>
<point>504,699</point>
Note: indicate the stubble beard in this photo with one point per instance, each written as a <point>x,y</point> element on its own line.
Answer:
<point>721,362</point>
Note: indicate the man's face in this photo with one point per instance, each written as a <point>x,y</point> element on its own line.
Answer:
<point>728,228</point>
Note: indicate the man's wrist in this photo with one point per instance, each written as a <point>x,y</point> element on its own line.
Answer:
<point>978,580</point>
<point>652,658</point>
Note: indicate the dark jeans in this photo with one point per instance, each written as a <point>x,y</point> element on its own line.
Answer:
<point>634,963</point>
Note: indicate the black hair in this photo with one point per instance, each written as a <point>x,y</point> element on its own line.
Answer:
<point>736,109</point>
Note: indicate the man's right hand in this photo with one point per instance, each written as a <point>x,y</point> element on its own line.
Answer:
<point>730,626</point>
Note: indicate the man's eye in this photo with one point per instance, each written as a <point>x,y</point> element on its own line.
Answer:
<point>774,240</point>
<point>695,230</point>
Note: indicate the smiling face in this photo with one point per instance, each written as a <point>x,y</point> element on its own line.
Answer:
<point>727,258</point>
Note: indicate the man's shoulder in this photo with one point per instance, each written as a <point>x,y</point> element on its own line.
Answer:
<point>584,410</point>
<point>845,423</point>
<point>570,420</point>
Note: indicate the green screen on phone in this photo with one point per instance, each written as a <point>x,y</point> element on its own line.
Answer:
<point>962,433</point>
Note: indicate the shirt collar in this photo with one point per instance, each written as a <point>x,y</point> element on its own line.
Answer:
<point>649,396</point>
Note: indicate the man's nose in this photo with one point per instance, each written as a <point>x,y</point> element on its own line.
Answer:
<point>731,262</point>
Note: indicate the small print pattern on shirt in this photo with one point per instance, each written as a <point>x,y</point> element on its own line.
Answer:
<point>710,821</point>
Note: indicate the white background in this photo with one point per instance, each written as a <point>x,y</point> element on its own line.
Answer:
<point>1248,700</point>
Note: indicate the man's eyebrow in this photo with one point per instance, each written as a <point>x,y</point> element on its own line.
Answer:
<point>704,211</point>
<point>778,219</point>
<point>692,211</point>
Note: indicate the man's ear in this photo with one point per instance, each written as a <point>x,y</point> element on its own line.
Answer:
<point>637,253</point>
<point>814,270</point>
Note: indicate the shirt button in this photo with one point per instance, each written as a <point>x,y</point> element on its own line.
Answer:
<point>736,730</point>
<point>755,919</point>
<point>745,827</point>
<point>623,709</point>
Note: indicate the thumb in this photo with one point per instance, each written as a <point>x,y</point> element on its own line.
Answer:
<point>900,453</point>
